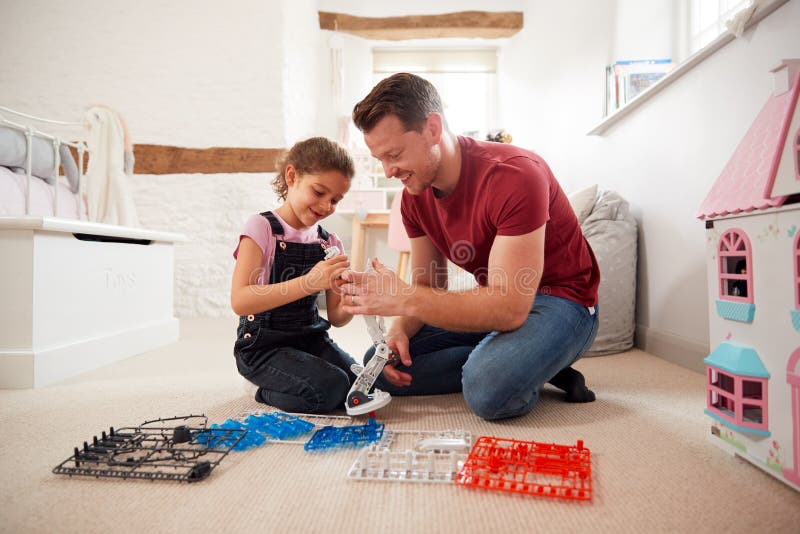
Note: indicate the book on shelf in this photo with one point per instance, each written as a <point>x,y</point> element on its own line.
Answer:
<point>626,79</point>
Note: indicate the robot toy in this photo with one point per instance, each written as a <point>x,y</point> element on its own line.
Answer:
<point>359,399</point>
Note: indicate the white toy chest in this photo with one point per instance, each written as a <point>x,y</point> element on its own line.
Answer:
<point>77,295</point>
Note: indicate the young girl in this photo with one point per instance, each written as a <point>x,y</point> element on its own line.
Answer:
<point>282,344</point>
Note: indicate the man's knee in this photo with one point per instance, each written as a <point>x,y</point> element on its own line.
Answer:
<point>491,400</point>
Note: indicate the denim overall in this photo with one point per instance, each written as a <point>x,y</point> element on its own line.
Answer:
<point>286,351</point>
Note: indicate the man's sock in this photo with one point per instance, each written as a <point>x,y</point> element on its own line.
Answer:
<point>573,384</point>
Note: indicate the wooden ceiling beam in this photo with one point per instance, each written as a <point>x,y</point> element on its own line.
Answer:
<point>161,159</point>
<point>482,24</point>
<point>164,159</point>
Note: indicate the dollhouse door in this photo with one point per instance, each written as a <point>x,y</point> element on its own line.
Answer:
<point>793,378</point>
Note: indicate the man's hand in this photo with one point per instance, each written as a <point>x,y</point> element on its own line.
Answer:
<point>324,275</point>
<point>398,343</point>
<point>379,292</point>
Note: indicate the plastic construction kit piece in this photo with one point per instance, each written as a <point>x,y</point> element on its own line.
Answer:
<point>154,450</point>
<point>215,441</point>
<point>549,470</point>
<point>332,251</point>
<point>340,437</point>
<point>283,427</point>
<point>431,457</point>
<point>359,399</point>
<point>261,428</point>
<point>278,425</point>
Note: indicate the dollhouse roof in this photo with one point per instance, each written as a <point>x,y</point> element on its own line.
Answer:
<point>737,360</point>
<point>746,181</point>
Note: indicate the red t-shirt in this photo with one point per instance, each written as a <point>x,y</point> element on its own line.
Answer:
<point>505,190</point>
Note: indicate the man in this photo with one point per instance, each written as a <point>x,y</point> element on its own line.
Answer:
<point>498,212</point>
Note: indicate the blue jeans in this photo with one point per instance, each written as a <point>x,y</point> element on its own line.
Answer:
<point>500,373</point>
<point>305,373</point>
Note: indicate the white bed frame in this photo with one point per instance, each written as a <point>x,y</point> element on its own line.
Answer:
<point>76,294</point>
<point>31,132</point>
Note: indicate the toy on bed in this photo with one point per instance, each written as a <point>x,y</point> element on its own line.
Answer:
<point>30,161</point>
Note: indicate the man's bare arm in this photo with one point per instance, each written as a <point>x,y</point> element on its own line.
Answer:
<point>514,273</point>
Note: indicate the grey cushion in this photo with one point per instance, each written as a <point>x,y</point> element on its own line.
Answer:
<point>13,153</point>
<point>611,231</point>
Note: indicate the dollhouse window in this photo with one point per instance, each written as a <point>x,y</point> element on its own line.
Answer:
<point>797,155</point>
<point>797,270</point>
<point>738,401</point>
<point>735,267</point>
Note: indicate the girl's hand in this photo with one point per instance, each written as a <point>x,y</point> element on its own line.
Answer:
<point>376,292</point>
<point>324,275</point>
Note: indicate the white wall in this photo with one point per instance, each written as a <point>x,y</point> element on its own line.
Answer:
<point>645,30</point>
<point>551,77</point>
<point>194,73</point>
<point>246,73</point>
<point>301,70</point>
<point>663,157</point>
<point>182,73</point>
<point>357,65</point>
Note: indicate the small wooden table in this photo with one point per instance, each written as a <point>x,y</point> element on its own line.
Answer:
<point>373,219</point>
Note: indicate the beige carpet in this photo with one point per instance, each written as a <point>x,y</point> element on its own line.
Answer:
<point>653,468</point>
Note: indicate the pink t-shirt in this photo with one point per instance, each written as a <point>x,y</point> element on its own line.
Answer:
<point>258,229</point>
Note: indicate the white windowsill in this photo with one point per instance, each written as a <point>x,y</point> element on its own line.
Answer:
<point>768,7</point>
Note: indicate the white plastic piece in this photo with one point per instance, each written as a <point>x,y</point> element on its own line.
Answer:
<point>331,252</point>
<point>399,457</point>
<point>378,399</point>
<point>359,399</point>
<point>408,466</point>
<point>443,445</point>
<point>375,327</point>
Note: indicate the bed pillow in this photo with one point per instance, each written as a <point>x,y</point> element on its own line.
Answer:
<point>582,202</point>
<point>13,153</point>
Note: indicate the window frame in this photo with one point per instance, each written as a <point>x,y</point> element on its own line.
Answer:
<point>797,155</point>
<point>796,258</point>
<point>736,398</point>
<point>437,61</point>
<point>698,38</point>
<point>739,236</point>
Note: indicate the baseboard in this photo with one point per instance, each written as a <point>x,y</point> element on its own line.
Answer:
<point>26,369</point>
<point>673,348</point>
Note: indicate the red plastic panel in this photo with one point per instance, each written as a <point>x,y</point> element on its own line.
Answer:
<point>546,469</point>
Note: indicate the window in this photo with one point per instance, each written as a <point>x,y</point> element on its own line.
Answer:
<point>707,20</point>
<point>465,78</point>
<point>797,155</point>
<point>735,271</point>
<point>739,400</point>
<point>797,271</point>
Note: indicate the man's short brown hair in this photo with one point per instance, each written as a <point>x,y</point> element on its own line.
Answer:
<point>406,95</point>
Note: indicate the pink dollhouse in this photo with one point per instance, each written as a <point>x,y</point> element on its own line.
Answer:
<point>752,217</point>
